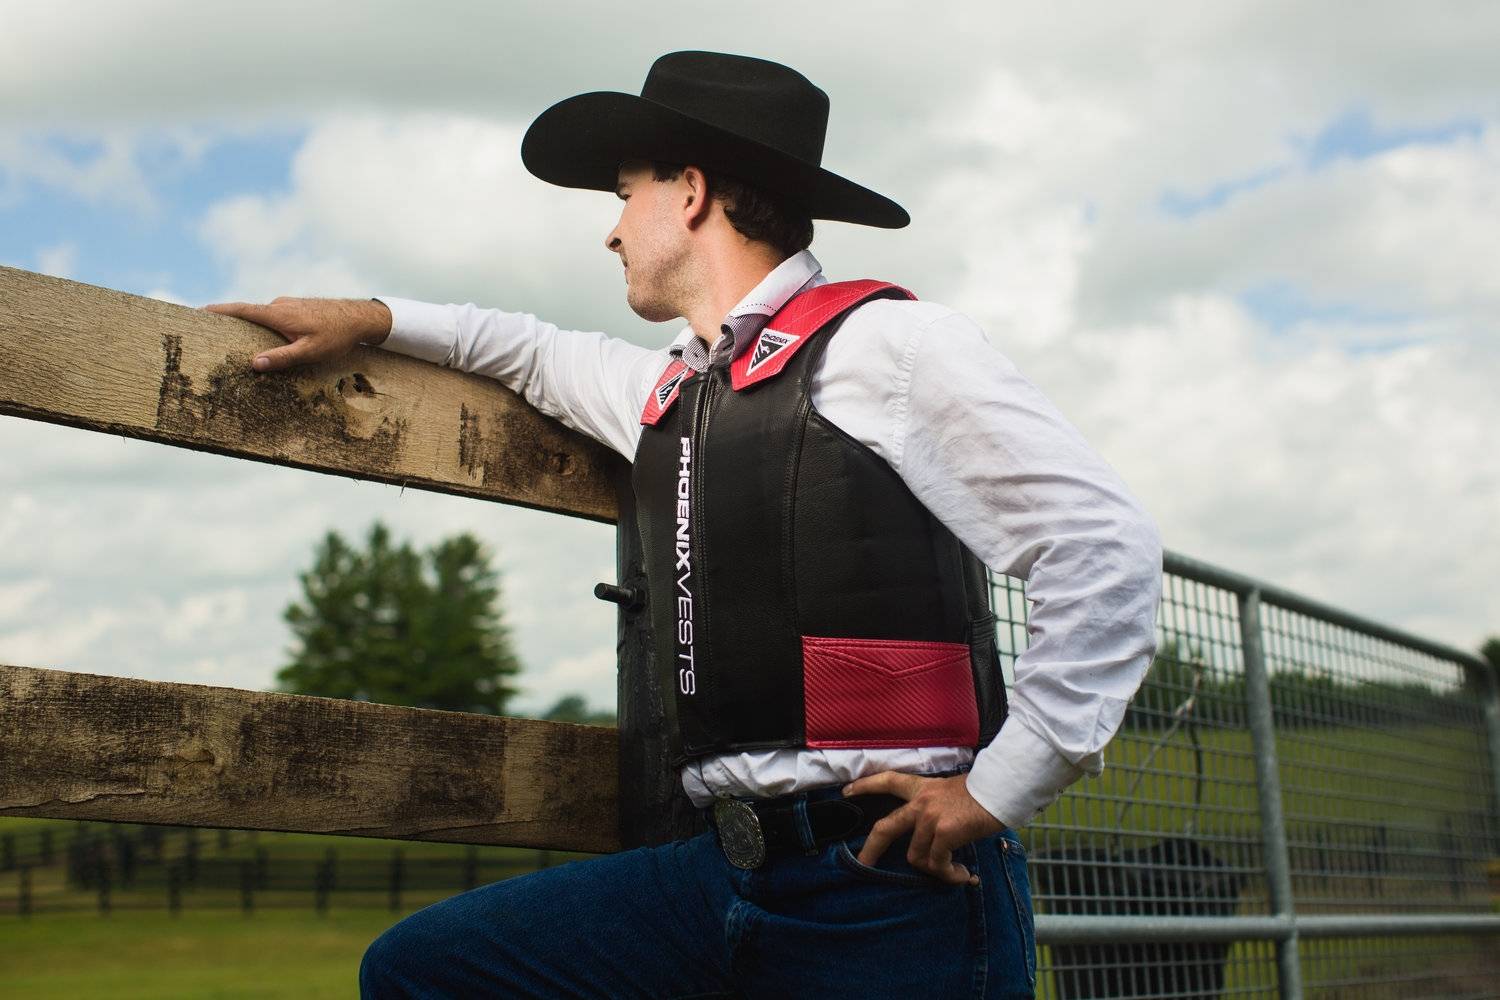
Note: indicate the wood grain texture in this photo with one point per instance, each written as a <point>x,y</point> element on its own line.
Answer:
<point>85,746</point>
<point>103,360</point>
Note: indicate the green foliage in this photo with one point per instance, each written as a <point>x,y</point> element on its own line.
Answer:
<point>380,625</point>
<point>573,708</point>
<point>1490,653</point>
<point>1300,696</point>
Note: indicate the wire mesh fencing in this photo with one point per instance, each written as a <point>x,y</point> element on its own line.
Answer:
<point>1298,803</point>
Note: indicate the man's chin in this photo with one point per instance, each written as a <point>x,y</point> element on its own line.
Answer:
<point>652,312</point>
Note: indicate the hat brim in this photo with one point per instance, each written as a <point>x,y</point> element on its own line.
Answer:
<point>581,142</point>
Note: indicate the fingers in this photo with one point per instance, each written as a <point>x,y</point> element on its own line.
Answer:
<point>244,310</point>
<point>938,860</point>
<point>297,353</point>
<point>921,848</point>
<point>890,782</point>
<point>884,832</point>
<point>929,852</point>
<point>303,349</point>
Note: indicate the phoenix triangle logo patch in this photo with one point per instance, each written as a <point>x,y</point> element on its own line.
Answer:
<point>770,344</point>
<point>666,389</point>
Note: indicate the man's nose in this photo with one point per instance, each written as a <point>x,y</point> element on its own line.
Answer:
<point>612,242</point>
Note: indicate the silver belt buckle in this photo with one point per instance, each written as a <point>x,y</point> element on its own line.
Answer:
<point>739,832</point>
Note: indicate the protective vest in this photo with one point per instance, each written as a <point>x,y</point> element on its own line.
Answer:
<point>799,595</point>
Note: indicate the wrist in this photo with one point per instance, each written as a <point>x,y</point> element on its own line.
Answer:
<point>374,321</point>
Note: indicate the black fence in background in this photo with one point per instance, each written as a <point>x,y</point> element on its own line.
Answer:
<point>106,867</point>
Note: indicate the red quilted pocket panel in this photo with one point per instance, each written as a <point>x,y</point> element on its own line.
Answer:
<point>888,693</point>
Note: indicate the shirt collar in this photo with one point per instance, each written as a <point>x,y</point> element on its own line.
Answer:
<point>746,320</point>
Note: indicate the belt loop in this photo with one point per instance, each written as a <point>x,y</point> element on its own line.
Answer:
<point>804,825</point>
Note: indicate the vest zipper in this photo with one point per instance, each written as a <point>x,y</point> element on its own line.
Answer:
<point>711,379</point>
<point>695,520</point>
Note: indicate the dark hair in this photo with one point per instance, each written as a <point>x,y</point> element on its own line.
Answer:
<point>754,213</point>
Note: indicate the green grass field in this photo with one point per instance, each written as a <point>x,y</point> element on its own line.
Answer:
<point>149,955</point>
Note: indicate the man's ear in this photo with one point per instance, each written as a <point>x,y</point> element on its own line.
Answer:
<point>695,196</point>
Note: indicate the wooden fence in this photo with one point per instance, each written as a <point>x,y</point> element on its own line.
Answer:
<point>84,746</point>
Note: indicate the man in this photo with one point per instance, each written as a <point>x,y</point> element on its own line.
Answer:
<point>823,470</point>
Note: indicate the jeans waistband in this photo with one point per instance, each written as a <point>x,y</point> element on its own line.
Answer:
<point>798,800</point>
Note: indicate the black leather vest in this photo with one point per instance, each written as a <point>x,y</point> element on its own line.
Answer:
<point>799,594</point>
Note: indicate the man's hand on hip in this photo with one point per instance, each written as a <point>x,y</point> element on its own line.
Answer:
<point>319,329</point>
<point>940,814</point>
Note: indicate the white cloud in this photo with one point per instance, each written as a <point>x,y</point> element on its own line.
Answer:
<point>17,597</point>
<point>422,205</point>
<point>1344,454</point>
<point>110,174</point>
<point>60,639</point>
<point>57,260</point>
<point>140,560</point>
<point>197,613</point>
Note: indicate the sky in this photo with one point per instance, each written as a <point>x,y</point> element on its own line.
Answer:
<point>1248,249</point>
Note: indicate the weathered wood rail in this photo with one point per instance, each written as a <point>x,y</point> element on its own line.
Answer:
<point>107,361</point>
<point>81,746</point>
<point>84,746</point>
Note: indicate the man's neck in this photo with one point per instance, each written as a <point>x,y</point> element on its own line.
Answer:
<point>728,279</point>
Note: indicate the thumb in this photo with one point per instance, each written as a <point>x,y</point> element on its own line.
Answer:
<point>299,352</point>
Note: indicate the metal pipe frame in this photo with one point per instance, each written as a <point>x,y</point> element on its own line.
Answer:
<point>1061,929</point>
<point>1283,925</point>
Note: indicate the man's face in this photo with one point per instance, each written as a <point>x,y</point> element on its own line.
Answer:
<point>652,243</point>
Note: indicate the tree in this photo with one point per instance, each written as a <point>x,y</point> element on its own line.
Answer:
<point>1490,653</point>
<point>573,708</point>
<point>376,625</point>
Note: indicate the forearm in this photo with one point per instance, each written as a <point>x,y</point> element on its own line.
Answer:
<point>588,381</point>
<point>1093,636</point>
<point>1019,485</point>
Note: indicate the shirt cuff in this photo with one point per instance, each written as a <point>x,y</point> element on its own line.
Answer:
<point>420,329</point>
<point>1019,774</point>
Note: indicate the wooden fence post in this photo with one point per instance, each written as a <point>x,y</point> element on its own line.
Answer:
<point>23,903</point>
<point>125,855</point>
<point>102,874</point>
<point>471,868</point>
<point>396,874</point>
<point>247,886</point>
<point>323,887</point>
<point>174,888</point>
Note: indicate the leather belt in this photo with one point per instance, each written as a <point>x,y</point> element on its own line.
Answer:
<point>752,831</point>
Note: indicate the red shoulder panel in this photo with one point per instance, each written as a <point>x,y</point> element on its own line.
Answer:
<point>795,323</point>
<point>665,392</point>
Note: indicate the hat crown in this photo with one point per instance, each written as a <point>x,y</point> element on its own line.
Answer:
<point>755,98</point>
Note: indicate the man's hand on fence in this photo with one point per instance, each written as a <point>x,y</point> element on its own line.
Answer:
<point>941,815</point>
<point>319,329</point>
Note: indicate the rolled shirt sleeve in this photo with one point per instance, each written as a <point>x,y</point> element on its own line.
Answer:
<point>994,460</point>
<point>591,382</point>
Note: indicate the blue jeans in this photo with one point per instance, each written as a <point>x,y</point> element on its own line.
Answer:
<point>679,921</point>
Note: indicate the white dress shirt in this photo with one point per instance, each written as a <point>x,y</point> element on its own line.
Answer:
<point>974,441</point>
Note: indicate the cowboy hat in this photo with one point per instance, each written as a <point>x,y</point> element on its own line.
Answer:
<point>748,118</point>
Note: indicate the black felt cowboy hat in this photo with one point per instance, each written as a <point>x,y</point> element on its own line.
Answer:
<point>748,118</point>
